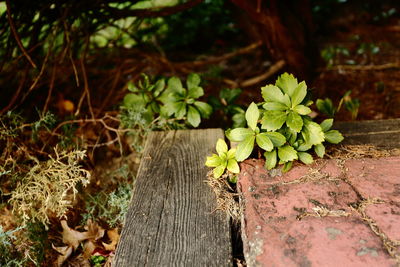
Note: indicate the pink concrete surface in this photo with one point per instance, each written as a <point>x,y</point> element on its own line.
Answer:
<point>281,226</point>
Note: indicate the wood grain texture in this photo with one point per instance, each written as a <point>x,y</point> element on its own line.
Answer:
<point>171,220</point>
<point>381,133</point>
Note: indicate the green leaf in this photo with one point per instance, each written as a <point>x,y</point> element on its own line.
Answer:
<point>294,122</point>
<point>170,108</point>
<point>233,166</point>
<point>230,95</point>
<point>245,148</point>
<point>204,108</point>
<point>231,153</point>
<point>326,125</point>
<point>239,120</point>
<point>175,85</point>
<point>312,133</point>
<point>239,134</point>
<point>273,120</point>
<point>271,93</point>
<point>193,116</point>
<point>299,94</point>
<point>326,107</point>
<point>302,110</point>
<point>158,87</point>
<point>334,137</point>
<point>287,82</point>
<point>277,139</point>
<point>193,81</point>
<point>264,142</point>
<point>180,110</point>
<point>287,166</point>
<point>195,92</point>
<point>213,161</point>
<point>270,159</point>
<point>134,101</point>
<point>287,153</point>
<point>221,146</point>
<point>218,171</point>
<point>319,150</point>
<point>275,106</point>
<point>252,115</point>
<point>304,157</point>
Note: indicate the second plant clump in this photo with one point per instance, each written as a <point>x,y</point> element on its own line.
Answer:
<point>280,126</point>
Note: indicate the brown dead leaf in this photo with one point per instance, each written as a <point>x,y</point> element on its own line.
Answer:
<point>65,253</point>
<point>114,237</point>
<point>88,249</point>
<point>94,231</point>
<point>72,237</point>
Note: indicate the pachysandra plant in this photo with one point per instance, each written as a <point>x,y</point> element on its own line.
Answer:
<point>224,160</point>
<point>287,133</point>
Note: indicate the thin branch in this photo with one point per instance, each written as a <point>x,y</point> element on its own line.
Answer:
<point>17,93</point>
<point>16,36</point>
<point>393,65</point>
<point>271,71</point>
<point>51,86</point>
<point>147,13</point>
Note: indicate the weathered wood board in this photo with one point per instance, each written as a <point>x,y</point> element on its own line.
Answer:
<point>171,220</point>
<point>381,133</point>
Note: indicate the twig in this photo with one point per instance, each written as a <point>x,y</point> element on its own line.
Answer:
<point>392,65</point>
<point>68,47</point>
<point>15,96</point>
<point>240,51</point>
<point>51,86</point>
<point>271,71</point>
<point>15,33</point>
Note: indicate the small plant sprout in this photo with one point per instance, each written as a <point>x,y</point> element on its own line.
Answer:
<point>224,160</point>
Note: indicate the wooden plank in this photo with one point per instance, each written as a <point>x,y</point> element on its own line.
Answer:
<point>171,219</point>
<point>381,133</point>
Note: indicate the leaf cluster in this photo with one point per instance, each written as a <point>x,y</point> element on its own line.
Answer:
<point>281,128</point>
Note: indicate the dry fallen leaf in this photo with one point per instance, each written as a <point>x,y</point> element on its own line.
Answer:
<point>88,249</point>
<point>65,253</point>
<point>94,231</point>
<point>72,237</point>
<point>114,237</point>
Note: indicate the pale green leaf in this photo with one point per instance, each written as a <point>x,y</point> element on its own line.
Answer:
<point>245,148</point>
<point>180,110</point>
<point>193,81</point>
<point>274,106</point>
<point>231,153</point>
<point>302,110</point>
<point>334,137</point>
<point>287,166</point>
<point>304,157</point>
<point>271,93</point>
<point>213,161</point>
<point>264,142</point>
<point>273,120</point>
<point>326,125</point>
<point>175,85</point>
<point>195,92</point>
<point>239,134</point>
<point>221,146</point>
<point>170,108</point>
<point>299,94</point>
<point>270,159</point>
<point>159,87</point>
<point>277,139</point>
<point>252,115</point>
<point>319,150</point>
<point>218,171</point>
<point>312,133</point>
<point>233,166</point>
<point>287,82</point>
<point>193,116</point>
<point>204,108</point>
<point>287,153</point>
<point>294,121</point>
<point>134,101</point>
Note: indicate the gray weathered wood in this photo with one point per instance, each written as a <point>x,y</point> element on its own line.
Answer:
<point>382,133</point>
<point>171,220</point>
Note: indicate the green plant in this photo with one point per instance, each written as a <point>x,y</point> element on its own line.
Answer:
<point>181,102</point>
<point>224,160</point>
<point>331,54</point>
<point>326,106</point>
<point>226,104</point>
<point>287,133</point>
